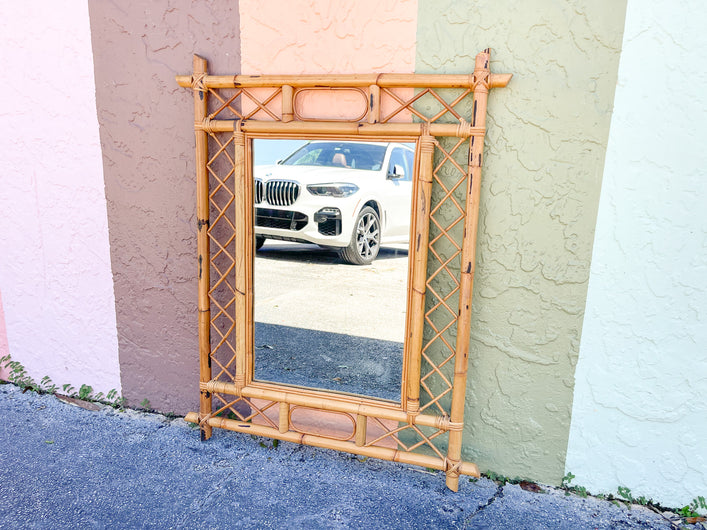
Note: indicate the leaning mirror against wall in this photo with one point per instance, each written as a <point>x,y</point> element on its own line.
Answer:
<point>244,200</point>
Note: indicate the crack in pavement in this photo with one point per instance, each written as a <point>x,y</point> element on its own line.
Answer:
<point>497,495</point>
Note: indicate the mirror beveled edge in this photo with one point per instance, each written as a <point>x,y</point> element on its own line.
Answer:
<point>265,408</point>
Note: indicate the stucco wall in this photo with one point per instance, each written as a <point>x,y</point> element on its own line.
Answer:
<point>638,412</point>
<point>640,415</point>
<point>322,37</point>
<point>146,124</point>
<point>55,275</point>
<point>546,141</point>
<point>4,345</point>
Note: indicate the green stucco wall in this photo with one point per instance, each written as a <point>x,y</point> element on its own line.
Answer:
<point>546,142</point>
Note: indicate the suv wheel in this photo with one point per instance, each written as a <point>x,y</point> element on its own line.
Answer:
<point>365,240</point>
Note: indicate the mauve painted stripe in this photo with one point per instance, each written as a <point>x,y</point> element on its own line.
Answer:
<point>146,127</point>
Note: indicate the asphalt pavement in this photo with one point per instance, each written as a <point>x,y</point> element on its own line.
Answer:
<point>63,466</point>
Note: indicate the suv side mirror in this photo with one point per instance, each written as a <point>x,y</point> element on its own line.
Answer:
<point>397,173</point>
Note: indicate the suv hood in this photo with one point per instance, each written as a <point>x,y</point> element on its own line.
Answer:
<point>312,174</point>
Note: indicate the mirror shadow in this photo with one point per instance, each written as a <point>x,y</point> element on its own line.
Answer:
<point>332,361</point>
<point>332,221</point>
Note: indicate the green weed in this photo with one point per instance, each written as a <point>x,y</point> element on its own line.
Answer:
<point>18,375</point>
<point>625,493</point>
<point>686,511</point>
<point>569,477</point>
<point>502,479</point>
<point>565,485</point>
<point>690,510</point>
<point>85,392</point>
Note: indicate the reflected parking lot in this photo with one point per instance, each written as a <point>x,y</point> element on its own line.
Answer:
<point>325,324</point>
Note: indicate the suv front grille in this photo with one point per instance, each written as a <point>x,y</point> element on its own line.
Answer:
<point>282,219</point>
<point>258,191</point>
<point>281,192</point>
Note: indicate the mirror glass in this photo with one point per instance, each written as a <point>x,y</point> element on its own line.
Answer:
<point>332,222</point>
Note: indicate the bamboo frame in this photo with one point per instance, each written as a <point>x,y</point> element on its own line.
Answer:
<point>347,80</point>
<point>203,247</point>
<point>231,398</point>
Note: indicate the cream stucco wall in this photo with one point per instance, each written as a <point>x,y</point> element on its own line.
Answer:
<point>640,416</point>
<point>55,274</point>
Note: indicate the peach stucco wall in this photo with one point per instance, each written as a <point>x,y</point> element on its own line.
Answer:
<point>324,37</point>
<point>55,274</point>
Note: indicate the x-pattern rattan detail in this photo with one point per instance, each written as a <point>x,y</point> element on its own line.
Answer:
<point>240,99</point>
<point>438,302</point>
<point>221,234</point>
<point>412,103</point>
<point>426,427</point>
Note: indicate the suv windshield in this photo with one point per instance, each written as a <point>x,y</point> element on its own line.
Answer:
<point>338,154</point>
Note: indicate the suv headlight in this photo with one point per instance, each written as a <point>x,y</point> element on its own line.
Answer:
<point>335,189</point>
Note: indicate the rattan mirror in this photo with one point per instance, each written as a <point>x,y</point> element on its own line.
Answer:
<point>444,116</point>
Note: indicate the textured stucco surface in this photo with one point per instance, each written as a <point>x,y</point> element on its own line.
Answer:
<point>546,142</point>
<point>323,37</point>
<point>55,273</point>
<point>4,345</point>
<point>640,416</point>
<point>146,125</point>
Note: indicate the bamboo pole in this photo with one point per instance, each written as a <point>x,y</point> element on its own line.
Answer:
<point>346,80</point>
<point>288,102</point>
<point>296,396</point>
<point>460,130</point>
<point>284,417</point>
<point>244,250</point>
<point>383,453</point>
<point>468,260</point>
<point>374,104</point>
<point>418,247</point>
<point>361,429</point>
<point>202,214</point>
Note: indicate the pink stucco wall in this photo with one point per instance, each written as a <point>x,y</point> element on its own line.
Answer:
<point>4,346</point>
<point>55,274</point>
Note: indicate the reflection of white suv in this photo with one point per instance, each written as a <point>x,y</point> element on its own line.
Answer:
<point>353,196</point>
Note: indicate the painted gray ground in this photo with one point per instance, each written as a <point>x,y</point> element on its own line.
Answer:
<point>62,466</point>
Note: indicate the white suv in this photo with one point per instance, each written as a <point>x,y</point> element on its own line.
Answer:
<point>353,196</point>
